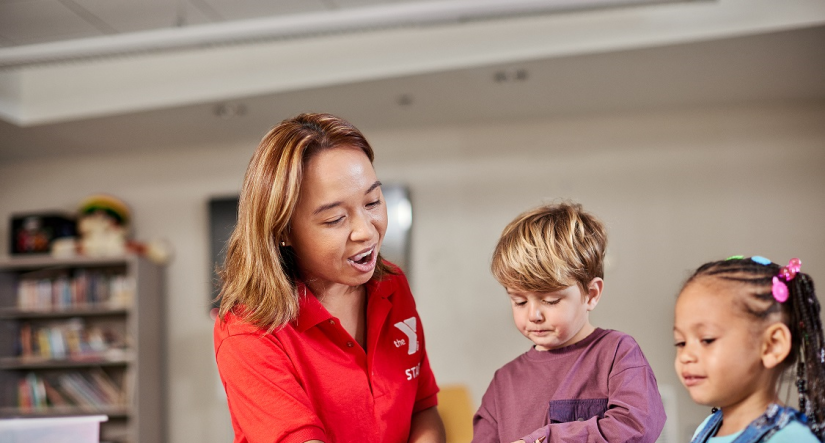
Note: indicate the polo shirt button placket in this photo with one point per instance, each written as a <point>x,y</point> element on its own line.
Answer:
<point>350,344</point>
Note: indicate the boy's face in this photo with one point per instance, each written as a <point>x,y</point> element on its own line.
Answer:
<point>553,320</point>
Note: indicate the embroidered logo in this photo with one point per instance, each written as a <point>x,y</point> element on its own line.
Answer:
<point>408,327</point>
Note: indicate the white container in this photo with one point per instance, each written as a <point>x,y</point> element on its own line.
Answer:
<point>85,429</point>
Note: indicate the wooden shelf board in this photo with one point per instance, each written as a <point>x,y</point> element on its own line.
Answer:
<point>55,411</point>
<point>77,311</point>
<point>50,363</point>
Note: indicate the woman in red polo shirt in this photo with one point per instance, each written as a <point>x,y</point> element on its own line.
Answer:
<point>318,338</point>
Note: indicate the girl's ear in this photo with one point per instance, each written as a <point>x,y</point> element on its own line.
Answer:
<point>594,293</point>
<point>776,345</point>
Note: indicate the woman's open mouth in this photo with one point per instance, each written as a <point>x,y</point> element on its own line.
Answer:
<point>364,261</point>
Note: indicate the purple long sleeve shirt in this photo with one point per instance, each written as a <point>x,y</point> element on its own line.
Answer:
<point>600,389</point>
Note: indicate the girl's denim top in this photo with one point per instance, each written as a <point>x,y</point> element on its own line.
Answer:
<point>760,430</point>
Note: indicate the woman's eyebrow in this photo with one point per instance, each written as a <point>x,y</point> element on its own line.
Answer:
<point>374,185</point>
<point>323,208</point>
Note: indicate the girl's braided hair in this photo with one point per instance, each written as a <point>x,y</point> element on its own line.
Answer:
<point>800,312</point>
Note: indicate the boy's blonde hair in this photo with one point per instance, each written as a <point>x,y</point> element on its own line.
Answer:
<point>550,248</point>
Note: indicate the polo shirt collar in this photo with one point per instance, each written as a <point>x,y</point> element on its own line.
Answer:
<point>311,312</point>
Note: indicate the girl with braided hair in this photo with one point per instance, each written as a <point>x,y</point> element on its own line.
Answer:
<point>739,324</point>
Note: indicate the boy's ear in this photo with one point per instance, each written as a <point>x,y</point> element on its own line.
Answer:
<point>594,293</point>
<point>776,344</point>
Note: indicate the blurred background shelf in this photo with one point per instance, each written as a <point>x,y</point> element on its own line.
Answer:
<point>84,336</point>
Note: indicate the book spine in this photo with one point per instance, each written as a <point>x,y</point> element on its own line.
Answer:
<point>26,340</point>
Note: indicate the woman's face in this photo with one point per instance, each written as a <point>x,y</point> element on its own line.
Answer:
<point>339,221</point>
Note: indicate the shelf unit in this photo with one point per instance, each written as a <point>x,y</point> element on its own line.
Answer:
<point>56,330</point>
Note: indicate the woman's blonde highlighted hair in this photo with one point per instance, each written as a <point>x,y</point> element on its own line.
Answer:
<point>550,248</point>
<point>259,276</point>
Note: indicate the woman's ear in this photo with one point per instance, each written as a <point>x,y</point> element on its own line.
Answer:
<point>594,293</point>
<point>283,239</point>
<point>776,344</point>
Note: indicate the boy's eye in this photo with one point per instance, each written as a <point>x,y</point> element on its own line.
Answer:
<point>679,344</point>
<point>374,204</point>
<point>707,341</point>
<point>519,303</point>
<point>551,302</point>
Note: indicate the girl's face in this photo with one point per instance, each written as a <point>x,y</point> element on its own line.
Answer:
<point>553,320</point>
<point>339,220</point>
<point>718,348</point>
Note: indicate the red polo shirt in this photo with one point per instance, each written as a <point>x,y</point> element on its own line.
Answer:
<point>312,380</point>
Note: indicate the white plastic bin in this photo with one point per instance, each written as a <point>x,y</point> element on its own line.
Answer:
<point>85,429</point>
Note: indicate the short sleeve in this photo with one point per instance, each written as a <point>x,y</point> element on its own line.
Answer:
<point>266,401</point>
<point>427,394</point>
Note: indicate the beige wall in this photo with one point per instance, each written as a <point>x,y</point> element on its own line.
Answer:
<point>675,188</point>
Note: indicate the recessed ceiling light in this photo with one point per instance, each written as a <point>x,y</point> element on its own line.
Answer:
<point>405,100</point>
<point>510,75</point>
<point>230,110</point>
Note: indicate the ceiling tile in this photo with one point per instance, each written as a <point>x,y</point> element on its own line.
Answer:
<point>361,3</point>
<point>133,16</point>
<point>248,9</point>
<point>39,21</point>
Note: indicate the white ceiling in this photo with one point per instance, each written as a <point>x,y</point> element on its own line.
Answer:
<point>657,57</point>
<point>25,22</point>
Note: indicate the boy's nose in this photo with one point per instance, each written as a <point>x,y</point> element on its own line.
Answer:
<point>535,315</point>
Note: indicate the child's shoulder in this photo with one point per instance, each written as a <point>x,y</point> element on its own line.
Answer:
<point>614,338</point>
<point>794,432</point>
<point>622,347</point>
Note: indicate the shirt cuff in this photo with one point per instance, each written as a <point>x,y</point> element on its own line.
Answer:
<point>306,434</point>
<point>533,437</point>
<point>425,403</point>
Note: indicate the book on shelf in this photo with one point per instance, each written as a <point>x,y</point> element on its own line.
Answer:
<point>113,395</point>
<point>69,339</point>
<point>26,350</point>
<point>89,391</point>
<point>54,396</point>
<point>24,396</point>
<point>81,289</point>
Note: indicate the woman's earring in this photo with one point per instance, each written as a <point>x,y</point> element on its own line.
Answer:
<point>283,244</point>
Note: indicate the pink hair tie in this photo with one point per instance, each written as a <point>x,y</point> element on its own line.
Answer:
<point>780,289</point>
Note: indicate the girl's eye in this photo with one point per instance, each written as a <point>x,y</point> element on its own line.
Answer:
<point>679,344</point>
<point>334,222</point>
<point>374,204</point>
<point>708,341</point>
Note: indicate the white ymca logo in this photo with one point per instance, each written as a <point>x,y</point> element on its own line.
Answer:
<point>408,327</point>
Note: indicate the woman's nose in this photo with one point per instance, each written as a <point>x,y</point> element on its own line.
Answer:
<point>362,228</point>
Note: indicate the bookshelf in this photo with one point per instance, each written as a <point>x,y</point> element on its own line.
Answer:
<point>84,336</point>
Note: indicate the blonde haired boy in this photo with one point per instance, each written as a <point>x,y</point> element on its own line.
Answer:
<point>578,383</point>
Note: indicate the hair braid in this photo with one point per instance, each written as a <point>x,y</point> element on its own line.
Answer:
<point>811,356</point>
<point>801,313</point>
